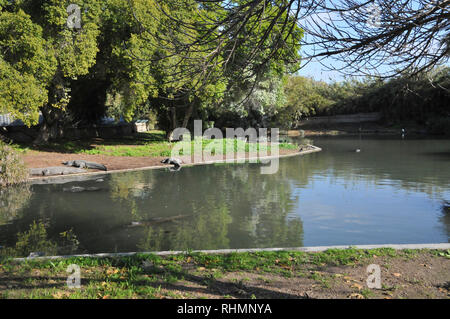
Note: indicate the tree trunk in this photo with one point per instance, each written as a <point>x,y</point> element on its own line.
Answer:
<point>188,114</point>
<point>172,123</point>
<point>51,127</point>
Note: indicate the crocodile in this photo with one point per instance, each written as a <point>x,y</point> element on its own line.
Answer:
<point>51,171</point>
<point>157,220</point>
<point>173,161</point>
<point>85,164</point>
<point>78,189</point>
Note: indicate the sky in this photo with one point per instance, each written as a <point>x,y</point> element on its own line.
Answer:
<point>318,72</point>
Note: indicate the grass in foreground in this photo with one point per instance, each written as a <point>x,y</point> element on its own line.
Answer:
<point>144,144</point>
<point>329,274</point>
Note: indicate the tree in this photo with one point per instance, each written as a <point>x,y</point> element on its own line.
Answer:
<point>305,97</point>
<point>25,67</point>
<point>38,46</point>
<point>364,35</point>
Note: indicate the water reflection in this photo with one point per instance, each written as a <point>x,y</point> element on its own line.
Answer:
<point>390,192</point>
<point>445,218</point>
<point>12,201</point>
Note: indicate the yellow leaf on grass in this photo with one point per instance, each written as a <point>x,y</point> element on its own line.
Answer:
<point>396,274</point>
<point>357,286</point>
<point>112,271</point>
<point>60,294</point>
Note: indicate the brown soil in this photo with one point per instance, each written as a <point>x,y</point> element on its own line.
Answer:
<point>423,276</point>
<point>39,159</point>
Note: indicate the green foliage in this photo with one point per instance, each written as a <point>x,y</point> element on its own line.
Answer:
<point>33,240</point>
<point>12,200</point>
<point>438,125</point>
<point>255,91</point>
<point>39,54</point>
<point>25,66</point>
<point>12,168</point>
<point>304,98</point>
<point>423,98</point>
<point>36,239</point>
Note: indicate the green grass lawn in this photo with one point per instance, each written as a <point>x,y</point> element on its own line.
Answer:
<point>145,144</point>
<point>153,276</point>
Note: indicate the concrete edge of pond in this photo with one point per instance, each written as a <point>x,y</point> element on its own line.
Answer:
<point>80,176</point>
<point>249,250</point>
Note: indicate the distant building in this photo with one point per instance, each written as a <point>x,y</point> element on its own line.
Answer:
<point>141,126</point>
<point>9,120</point>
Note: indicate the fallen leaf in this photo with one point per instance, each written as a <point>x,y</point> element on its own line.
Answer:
<point>396,274</point>
<point>60,294</point>
<point>357,286</point>
<point>112,271</point>
<point>347,278</point>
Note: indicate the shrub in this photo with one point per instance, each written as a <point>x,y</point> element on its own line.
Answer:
<point>439,125</point>
<point>12,168</point>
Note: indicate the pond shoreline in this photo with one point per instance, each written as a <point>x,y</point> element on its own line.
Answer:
<point>246,159</point>
<point>312,249</point>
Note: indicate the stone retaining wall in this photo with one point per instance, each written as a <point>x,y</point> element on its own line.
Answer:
<point>345,118</point>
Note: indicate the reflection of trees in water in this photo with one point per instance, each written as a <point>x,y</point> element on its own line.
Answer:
<point>35,240</point>
<point>202,231</point>
<point>412,165</point>
<point>231,206</point>
<point>83,216</point>
<point>445,218</point>
<point>225,206</point>
<point>12,200</point>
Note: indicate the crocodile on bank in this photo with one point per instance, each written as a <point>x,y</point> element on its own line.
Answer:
<point>173,161</point>
<point>52,171</point>
<point>85,164</point>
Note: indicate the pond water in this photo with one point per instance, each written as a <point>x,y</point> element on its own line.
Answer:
<point>393,191</point>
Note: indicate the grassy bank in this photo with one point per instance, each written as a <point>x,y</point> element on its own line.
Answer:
<point>151,144</point>
<point>329,274</point>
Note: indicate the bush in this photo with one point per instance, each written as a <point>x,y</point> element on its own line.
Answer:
<point>439,125</point>
<point>12,168</point>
